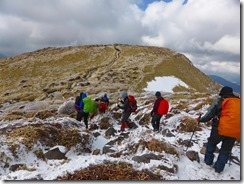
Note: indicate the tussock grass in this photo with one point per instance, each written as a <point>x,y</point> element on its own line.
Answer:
<point>107,68</point>
<point>188,124</point>
<point>111,171</point>
<point>48,135</point>
<point>159,146</point>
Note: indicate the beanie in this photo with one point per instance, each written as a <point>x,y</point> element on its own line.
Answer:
<point>157,94</point>
<point>226,91</point>
<point>124,95</point>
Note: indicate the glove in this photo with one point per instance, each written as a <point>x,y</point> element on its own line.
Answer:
<point>199,119</point>
<point>92,116</point>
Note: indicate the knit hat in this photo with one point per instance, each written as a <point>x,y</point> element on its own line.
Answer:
<point>124,95</point>
<point>226,91</point>
<point>157,94</point>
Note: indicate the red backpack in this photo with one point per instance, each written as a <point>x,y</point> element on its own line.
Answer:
<point>163,107</point>
<point>133,103</point>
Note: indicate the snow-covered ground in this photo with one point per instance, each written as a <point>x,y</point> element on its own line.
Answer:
<point>187,169</point>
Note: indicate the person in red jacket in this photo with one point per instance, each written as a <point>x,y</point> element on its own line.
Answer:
<point>154,113</point>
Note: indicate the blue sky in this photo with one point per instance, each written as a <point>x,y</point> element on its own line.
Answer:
<point>207,32</point>
<point>144,3</point>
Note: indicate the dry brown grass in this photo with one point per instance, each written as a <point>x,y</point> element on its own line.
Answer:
<point>48,135</point>
<point>188,124</point>
<point>37,74</point>
<point>159,146</point>
<point>173,169</point>
<point>121,171</point>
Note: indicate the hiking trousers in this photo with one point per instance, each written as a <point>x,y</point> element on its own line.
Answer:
<point>124,120</point>
<point>85,116</point>
<point>156,121</point>
<point>224,152</point>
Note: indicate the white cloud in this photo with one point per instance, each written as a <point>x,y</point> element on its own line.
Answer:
<point>227,43</point>
<point>207,30</point>
<point>201,21</point>
<point>230,67</point>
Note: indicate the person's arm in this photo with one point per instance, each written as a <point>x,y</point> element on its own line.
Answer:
<point>126,105</point>
<point>155,106</point>
<point>212,111</point>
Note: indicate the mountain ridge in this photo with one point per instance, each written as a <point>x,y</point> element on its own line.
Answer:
<point>224,82</point>
<point>95,68</point>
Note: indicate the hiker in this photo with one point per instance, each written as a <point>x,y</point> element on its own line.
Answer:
<point>93,108</point>
<point>79,105</point>
<point>126,111</point>
<point>105,99</point>
<point>90,107</point>
<point>80,109</point>
<point>156,116</point>
<point>101,105</point>
<point>225,116</point>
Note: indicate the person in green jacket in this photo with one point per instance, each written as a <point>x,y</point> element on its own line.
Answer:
<point>90,107</point>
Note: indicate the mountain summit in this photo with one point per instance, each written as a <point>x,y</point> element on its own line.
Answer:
<point>95,68</point>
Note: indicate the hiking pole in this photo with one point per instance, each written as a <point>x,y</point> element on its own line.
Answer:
<point>193,132</point>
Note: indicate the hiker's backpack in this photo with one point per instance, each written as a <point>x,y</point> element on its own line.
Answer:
<point>105,99</point>
<point>163,107</point>
<point>77,103</point>
<point>230,117</point>
<point>88,105</point>
<point>133,103</point>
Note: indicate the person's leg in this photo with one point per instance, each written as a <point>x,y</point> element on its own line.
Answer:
<point>79,116</point>
<point>213,140</point>
<point>153,122</point>
<point>157,122</point>
<point>124,120</point>
<point>224,153</point>
<point>86,115</point>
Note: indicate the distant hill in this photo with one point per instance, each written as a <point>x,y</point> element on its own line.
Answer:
<point>2,56</point>
<point>225,82</point>
<point>67,71</point>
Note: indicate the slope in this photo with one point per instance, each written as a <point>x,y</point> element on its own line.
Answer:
<point>224,82</point>
<point>65,72</point>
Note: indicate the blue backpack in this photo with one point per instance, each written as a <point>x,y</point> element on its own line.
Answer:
<point>105,99</point>
<point>77,103</point>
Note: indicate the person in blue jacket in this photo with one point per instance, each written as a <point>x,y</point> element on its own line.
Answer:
<point>80,109</point>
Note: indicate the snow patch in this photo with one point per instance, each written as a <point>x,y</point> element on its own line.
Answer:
<point>165,84</point>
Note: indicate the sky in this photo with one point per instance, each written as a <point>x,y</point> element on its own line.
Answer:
<point>207,32</point>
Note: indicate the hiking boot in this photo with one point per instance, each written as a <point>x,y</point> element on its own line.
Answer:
<point>217,171</point>
<point>155,130</point>
<point>122,130</point>
<point>209,164</point>
<point>131,125</point>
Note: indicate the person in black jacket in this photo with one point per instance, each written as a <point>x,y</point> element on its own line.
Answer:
<point>154,113</point>
<point>126,111</point>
